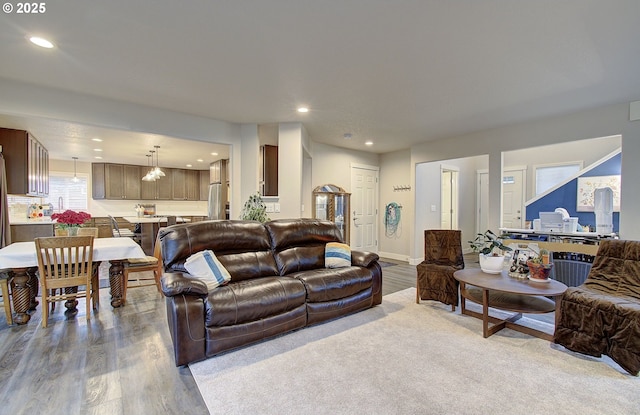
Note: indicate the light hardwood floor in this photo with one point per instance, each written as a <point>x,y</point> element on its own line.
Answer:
<point>120,362</point>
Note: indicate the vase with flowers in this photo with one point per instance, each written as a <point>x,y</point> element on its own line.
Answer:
<point>69,221</point>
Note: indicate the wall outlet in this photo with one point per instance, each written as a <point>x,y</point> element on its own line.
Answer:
<point>276,207</point>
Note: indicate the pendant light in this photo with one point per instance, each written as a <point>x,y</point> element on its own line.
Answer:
<point>149,177</point>
<point>159,173</point>
<point>75,170</point>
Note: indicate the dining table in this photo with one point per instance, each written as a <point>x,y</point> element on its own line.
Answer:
<point>20,260</point>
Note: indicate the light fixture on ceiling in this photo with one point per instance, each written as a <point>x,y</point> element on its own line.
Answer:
<point>159,173</point>
<point>368,143</point>
<point>75,170</point>
<point>347,136</point>
<point>42,42</point>
<point>303,110</point>
<point>149,177</point>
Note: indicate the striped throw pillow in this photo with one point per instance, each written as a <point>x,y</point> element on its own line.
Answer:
<point>205,266</point>
<point>337,255</point>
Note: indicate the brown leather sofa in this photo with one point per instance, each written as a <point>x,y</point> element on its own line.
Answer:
<point>602,316</point>
<point>278,283</point>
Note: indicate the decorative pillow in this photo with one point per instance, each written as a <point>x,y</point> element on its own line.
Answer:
<point>205,266</point>
<point>337,255</point>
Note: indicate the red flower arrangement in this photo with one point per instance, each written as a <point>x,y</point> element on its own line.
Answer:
<point>70,218</point>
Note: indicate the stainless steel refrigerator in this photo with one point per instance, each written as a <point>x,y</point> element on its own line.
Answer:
<point>217,202</point>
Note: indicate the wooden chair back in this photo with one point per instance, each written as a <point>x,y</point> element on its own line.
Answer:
<point>64,262</point>
<point>88,231</point>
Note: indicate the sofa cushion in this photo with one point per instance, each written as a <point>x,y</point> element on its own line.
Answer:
<point>243,247</point>
<point>298,244</point>
<point>251,300</point>
<point>337,255</point>
<point>326,284</point>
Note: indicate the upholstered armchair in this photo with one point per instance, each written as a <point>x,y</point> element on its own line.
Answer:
<point>442,257</point>
<point>602,316</point>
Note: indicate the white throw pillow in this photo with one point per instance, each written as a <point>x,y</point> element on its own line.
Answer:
<point>205,266</point>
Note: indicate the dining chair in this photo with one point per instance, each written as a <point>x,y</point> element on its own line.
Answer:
<point>5,282</point>
<point>66,263</point>
<point>120,232</point>
<point>137,266</point>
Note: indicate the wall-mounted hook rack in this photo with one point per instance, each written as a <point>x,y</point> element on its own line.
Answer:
<point>401,188</point>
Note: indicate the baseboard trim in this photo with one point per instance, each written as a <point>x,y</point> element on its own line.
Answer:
<point>391,255</point>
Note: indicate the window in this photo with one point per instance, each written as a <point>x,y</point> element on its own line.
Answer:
<point>552,175</point>
<point>65,194</point>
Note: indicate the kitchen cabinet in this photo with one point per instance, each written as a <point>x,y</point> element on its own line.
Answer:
<point>204,176</point>
<point>26,163</point>
<point>27,232</point>
<point>115,181</point>
<point>219,171</point>
<point>161,189</point>
<point>186,184</point>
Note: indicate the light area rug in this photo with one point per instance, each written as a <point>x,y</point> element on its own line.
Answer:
<point>406,358</point>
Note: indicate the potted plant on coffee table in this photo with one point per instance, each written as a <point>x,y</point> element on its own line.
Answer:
<point>540,266</point>
<point>491,249</point>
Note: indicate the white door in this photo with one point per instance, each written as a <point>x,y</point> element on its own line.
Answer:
<point>513,199</point>
<point>449,199</point>
<point>364,199</point>
<point>482,214</point>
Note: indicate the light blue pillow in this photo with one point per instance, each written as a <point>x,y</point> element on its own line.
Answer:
<point>337,255</point>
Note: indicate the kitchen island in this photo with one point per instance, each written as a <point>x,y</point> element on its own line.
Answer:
<point>149,226</point>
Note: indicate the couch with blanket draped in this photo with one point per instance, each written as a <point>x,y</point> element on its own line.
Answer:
<point>279,282</point>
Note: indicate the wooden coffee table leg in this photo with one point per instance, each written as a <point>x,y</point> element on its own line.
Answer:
<point>116,277</point>
<point>485,313</point>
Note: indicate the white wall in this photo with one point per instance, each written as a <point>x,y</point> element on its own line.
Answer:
<point>333,164</point>
<point>290,153</point>
<point>395,170</point>
<point>428,196</point>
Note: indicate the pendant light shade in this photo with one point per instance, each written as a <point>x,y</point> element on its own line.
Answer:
<point>149,177</point>
<point>75,170</point>
<point>157,171</point>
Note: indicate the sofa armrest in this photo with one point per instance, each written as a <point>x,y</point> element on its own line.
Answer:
<point>175,283</point>
<point>363,259</point>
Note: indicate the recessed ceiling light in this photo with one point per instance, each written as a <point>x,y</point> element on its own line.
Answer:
<point>200,160</point>
<point>40,41</point>
<point>98,157</point>
<point>368,143</point>
<point>303,109</point>
<point>99,140</point>
<point>97,149</point>
<point>188,165</point>
<point>214,154</point>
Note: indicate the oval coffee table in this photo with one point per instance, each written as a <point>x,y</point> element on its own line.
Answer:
<point>500,291</point>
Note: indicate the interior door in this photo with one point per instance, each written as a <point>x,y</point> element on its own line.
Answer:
<point>364,199</point>
<point>482,214</point>
<point>449,199</point>
<point>513,198</point>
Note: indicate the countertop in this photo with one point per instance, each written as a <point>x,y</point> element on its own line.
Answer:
<point>25,221</point>
<point>152,219</point>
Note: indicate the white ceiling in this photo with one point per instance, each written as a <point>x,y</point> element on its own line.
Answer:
<point>394,72</point>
